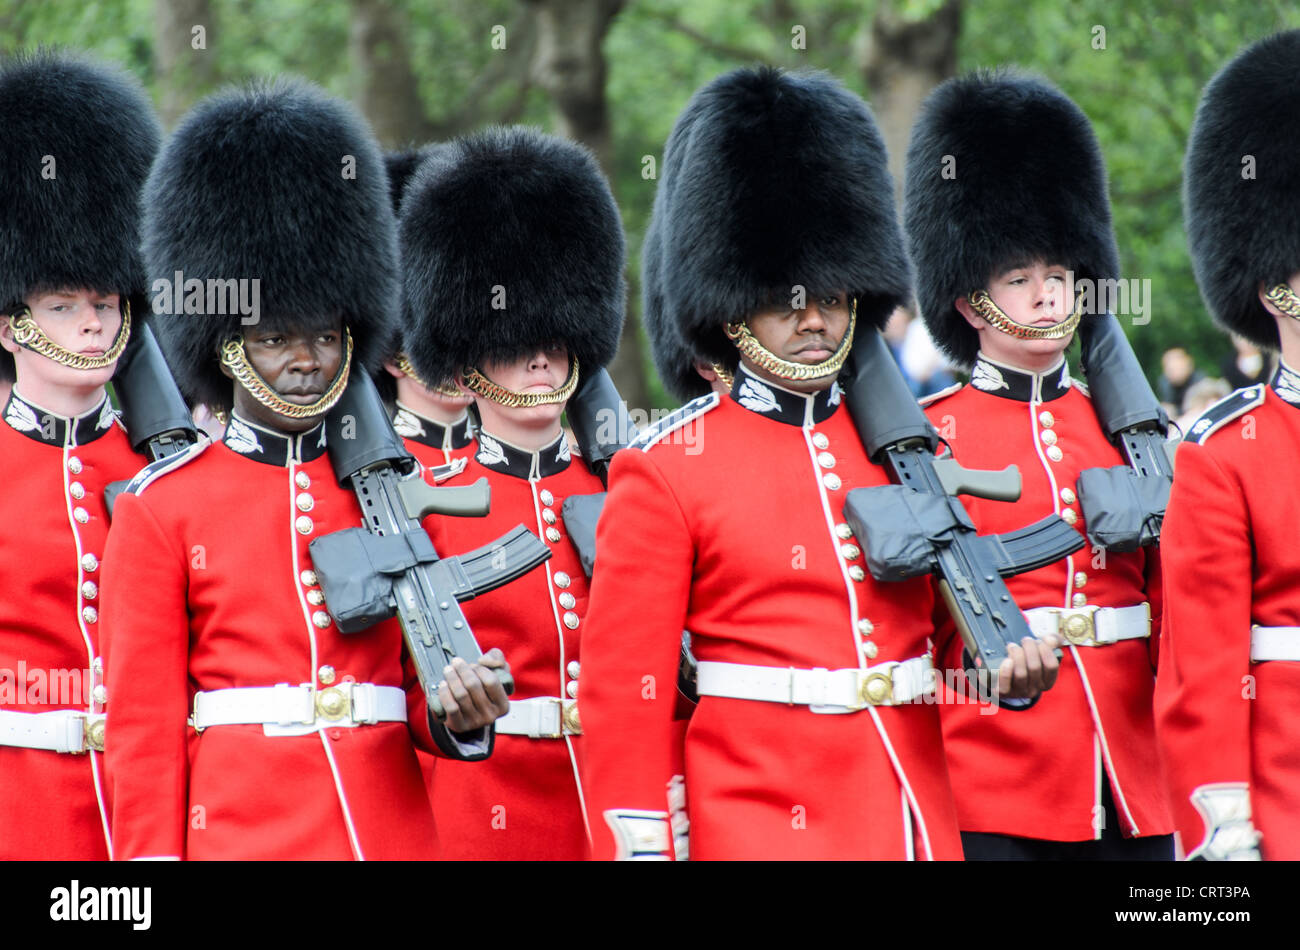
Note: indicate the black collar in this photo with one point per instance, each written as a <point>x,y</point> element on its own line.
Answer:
<point>53,429</point>
<point>769,399</point>
<point>1286,383</point>
<point>500,456</point>
<point>274,448</point>
<point>411,425</point>
<point>999,379</point>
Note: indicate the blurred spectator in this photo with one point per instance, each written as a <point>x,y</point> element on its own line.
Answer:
<point>924,367</point>
<point>1178,373</point>
<point>1247,366</point>
<point>1201,395</point>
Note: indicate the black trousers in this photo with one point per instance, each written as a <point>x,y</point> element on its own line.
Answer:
<point>1112,846</point>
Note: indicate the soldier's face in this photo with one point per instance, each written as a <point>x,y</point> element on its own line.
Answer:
<point>299,366</point>
<point>808,335</point>
<point>429,403</point>
<point>1036,295</point>
<point>83,321</point>
<point>544,370</point>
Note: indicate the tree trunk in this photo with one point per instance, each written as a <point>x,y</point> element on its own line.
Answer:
<point>570,65</point>
<point>184,72</point>
<point>386,89</point>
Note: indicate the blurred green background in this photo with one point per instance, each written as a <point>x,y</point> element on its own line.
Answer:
<point>614,74</point>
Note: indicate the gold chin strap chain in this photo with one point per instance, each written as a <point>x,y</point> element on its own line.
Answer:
<point>29,334</point>
<point>764,358</point>
<point>442,389</point>
<point>994,316</point>
<point>476,382</point>
<point>233,355</point>
<point>724,374</point>
<point>1285,299</point>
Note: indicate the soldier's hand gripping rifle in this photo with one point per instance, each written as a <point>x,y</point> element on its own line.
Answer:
<point>602,426</point>
<point>918,526</point>
<point>1124,506</point>
<point>155,416</point>
<point>390,566</point>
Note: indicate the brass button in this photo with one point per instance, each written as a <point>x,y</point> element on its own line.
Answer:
<point>1069,516</point>
<point>820,441</point>
<point>1046,419</point>
<point>303,524</point>
<point>89,614</point>
<point>332,704</point>
<point>321,619</point>
<point>857,573</point>
<point>95,735</point>
<point>548,516</point>
<point>305,502</point>
<point>302,480</point>
<point>99,694</point>
<point>1054,453</point>
<point>571,620</point>
<point>825,460</point>
<point>89,563</point>
<point>571,720</point>
<point>1048,437</point>
<point>77,490</point>
<point>552,535</point>
<point>572,689</point>
<point>1068,496</point>
<point>1080,579</point>
<point>546,497</point>
<point>869,650</point>
<point>90,590</point>
<point>866,627</point>
<point>568,601</point>
<point>1080,600</point>
<point>843,532</point>
<point>325,674</point>
<point>308,578</point>
<point>74,465</point>
<point>831,481</point>
<point>573,669</point>
<point>315,597</point>
<point>561,580</point>
<point>81,515</point>
<point>850,551</point>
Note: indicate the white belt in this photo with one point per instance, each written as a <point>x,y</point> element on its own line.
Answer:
<point>1091,626</point>
<point>347,704</point>
<point>63,730</point>
<point>1274,643</point>
<point>544,717</point>
<point>823,691</point>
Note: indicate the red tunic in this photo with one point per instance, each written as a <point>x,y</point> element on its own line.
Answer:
<point>525,803</point>
<point>56,526</point>
<point>1232,562</point>
<point>1038,773</point>
<point>213,588</point>
<point>724,520</point>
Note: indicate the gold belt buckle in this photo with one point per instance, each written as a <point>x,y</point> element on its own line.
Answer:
<point>1078,625</point>
<point>92,731</point>
<point>333,704</point>
<point>569,716</point>
<point>877,689</point>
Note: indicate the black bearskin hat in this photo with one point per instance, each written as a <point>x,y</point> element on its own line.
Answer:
<point>510,238</point>
<point>285,184</point>
<point>1242,184</point>
<point>78,140</point>
<point>673,358</point>
<point>1003,169</point>
<point>400,165</point>
<point>772,180</point>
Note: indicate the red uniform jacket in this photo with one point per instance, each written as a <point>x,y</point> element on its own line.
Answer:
<point>1037,773</point>
<point>1232,562</point>
<point>725,520</point>
<point>525,803</point>
<point>51,549</point>
<point>214,588</point>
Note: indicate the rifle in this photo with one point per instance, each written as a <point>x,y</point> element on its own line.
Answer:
<point>918,526</point>
<point>390,565</point>
<point>155,416</point>
<point>1124,506</point>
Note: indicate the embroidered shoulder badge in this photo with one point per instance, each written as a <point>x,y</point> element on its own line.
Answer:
<point>670,423</point>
